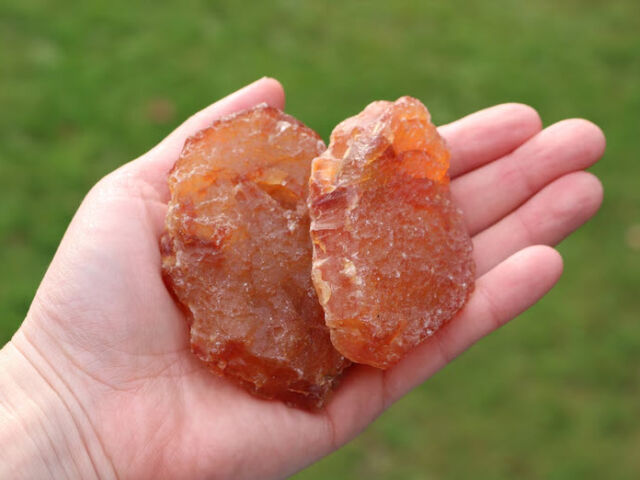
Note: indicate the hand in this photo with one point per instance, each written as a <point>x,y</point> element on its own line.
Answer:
<point>103,353</point>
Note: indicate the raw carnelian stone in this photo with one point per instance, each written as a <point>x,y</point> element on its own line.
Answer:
<point>391,256</point>
<point>237,256</point>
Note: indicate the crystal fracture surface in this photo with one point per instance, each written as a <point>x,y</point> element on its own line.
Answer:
<point>392,258</point>
<point>237,256</point>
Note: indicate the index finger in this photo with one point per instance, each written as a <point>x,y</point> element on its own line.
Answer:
<point>488,134</point>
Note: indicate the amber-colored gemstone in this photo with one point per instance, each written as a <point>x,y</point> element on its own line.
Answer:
<point>392,258</point>
<point>237,255</point>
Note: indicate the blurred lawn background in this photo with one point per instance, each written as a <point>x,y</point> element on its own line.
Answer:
<point>86,86</point>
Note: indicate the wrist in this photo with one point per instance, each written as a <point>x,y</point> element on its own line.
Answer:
<point>40,437</point>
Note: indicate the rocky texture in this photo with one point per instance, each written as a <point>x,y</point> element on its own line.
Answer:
<point>392,258</point>
<point>237,256</point>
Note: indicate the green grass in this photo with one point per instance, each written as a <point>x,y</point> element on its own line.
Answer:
<point>556,394</point>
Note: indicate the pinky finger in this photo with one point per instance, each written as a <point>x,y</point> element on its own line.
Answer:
<point>500,295</point>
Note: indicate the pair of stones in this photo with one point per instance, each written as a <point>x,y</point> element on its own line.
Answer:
<point>291,261</point>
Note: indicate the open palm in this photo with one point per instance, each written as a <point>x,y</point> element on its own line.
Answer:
<point>106,335</point>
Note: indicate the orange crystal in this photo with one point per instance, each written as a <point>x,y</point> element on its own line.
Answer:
<point>391,256</point>
<point>237,255</point>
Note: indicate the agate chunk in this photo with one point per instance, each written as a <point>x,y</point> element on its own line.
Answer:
<point>392,258</point>
<point>237,255</point>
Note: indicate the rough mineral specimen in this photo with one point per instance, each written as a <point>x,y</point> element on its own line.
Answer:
<point>392,259</point>
<point>237,255</point>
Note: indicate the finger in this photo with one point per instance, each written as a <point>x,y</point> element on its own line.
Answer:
<point>489,134</point>
<point>161,158</point>
<point>547,218</point>
<point>500,295</point>
<point>487,194</point>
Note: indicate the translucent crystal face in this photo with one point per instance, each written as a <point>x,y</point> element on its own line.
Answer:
<point>237,256</point>
<point>391,256</point>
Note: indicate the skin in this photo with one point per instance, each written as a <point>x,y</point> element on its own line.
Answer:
<point>99,381</point>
